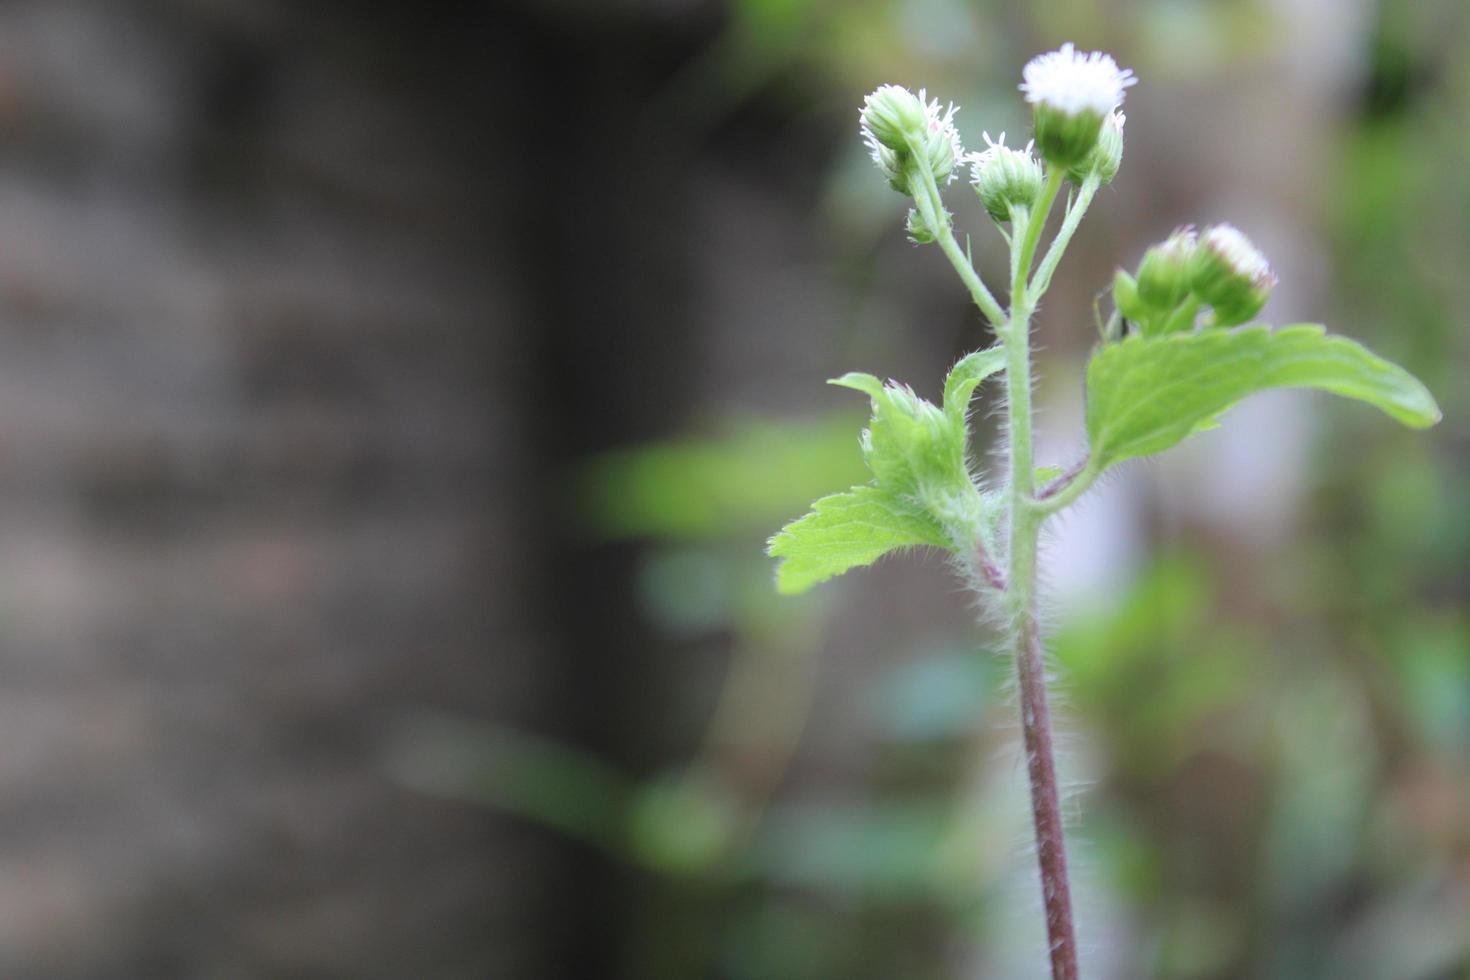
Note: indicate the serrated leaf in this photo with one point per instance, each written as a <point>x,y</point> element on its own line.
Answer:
<point>1145,394</point>
<point>846,530</point>
<point>965,377</point>
<point>910,445</point>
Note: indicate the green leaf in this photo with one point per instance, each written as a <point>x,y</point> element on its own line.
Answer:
<point>844,531</point>
<point>911,446</point>
<point>965,377</point>
<point>1145,394</point>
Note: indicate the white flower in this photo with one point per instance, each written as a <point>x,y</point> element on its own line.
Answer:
<point>1074,83</point>
<point>1230,244</point>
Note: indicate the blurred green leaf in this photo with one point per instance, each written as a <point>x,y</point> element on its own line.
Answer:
<point>520,773</point>
<point>719,488</point>
<point>682,823</point>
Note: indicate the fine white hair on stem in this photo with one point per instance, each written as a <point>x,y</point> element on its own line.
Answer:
<point>1072,82</point>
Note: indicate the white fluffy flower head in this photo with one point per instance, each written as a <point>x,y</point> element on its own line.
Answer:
<point>1230,244</point>
<point>1072,82</point>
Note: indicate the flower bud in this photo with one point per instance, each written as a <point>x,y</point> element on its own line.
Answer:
<point>1125,297</point>
<point>1230,274</point>
<point>919,231</point>
<point>1165,272</point>
<point>1005,178</point>
<point>1072,96</point>
<point>891,165</point>
<point>893,128</point>
<point>1106,157</point>
<point>891,114</point>
<point>942,148</point>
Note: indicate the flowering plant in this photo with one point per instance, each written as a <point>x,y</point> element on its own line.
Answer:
<point>1173,356</point>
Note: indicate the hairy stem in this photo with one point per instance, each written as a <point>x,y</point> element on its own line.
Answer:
<point>1064,235</point>
<point>1025,529</point>
<point>931,208</point>
<point>1052,499</point>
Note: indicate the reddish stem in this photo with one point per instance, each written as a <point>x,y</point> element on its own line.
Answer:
<point>1046,810</point>
<point>1059,482</point>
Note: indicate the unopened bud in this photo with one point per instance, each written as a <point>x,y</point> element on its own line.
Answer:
<point>1125,297</point>
<point>1106,157</point>
<point>1230,274</point>
<point>1164,274</point>
<point>896,123</point>
<point>891,114</point>
<point>1004,178</point>
<point>920,233</point>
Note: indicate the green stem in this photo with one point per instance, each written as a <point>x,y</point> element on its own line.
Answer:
<point>1021,305</point>
<point>1059,244</point>
<point>1025,529</point>
<point>1068,494</point>
<point>931,208</point>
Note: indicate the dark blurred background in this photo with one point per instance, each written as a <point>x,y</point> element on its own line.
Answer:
<point>394,402</point>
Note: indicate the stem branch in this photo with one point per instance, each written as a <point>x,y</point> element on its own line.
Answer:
<point>1064,235</point>
<point>931,208</point>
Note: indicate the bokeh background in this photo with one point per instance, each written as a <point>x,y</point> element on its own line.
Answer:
<point>394,402</point>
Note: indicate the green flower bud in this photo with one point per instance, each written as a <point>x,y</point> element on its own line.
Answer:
<point>1125,297</point>
<point>1106,157</point>
<point>891,163</point>
<point>943,149</point>
<point>891,114</point>
<point>1066,139</point>
<point>919,231</point>
<point>1005,178</point>
<point>1072,95</point>
<point>893,129</point>
<point>1164,274</point>
<point>1230,274</point>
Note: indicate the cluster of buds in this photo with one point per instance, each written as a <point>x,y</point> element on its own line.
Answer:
<point>897,124</point>
<point>1077,124</point>
<point>1219,268</point>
